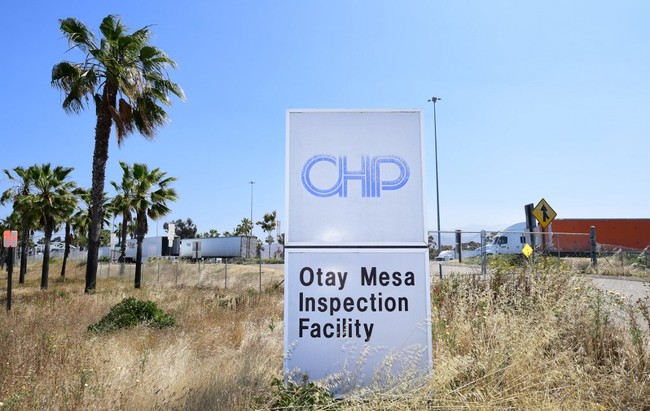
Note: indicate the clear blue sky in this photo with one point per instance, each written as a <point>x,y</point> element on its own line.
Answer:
<point>539,99</point>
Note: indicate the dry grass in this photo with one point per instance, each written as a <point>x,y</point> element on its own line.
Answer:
<point>226,348</point>
<point>526,338</point>
<point>618,264</point>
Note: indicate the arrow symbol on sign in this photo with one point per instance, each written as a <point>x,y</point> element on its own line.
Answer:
<point>544,214</point>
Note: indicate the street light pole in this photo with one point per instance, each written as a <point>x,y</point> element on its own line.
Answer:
<point>251,230</point>
<point>250,233</point>
<point>435,139</point>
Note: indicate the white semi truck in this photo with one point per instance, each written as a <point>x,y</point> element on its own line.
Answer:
<point>510,240</point>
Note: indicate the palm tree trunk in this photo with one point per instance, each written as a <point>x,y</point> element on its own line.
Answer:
<point>46,257</point>
<point>100,157</point>
<point>138,263</point>
<point>140,232</point>
<point>123,245</point>
<point>24,243</point>
<point>66,252</point>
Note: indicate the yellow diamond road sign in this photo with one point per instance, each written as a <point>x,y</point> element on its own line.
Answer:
<point>544,213</point>
<point>527,250</point>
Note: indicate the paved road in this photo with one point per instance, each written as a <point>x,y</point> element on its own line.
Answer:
<point>631,288</point>
<point>447,268</point>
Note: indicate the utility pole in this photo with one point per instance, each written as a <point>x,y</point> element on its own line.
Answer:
<point>435,139</point>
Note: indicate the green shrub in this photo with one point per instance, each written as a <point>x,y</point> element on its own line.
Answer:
<point>300,395</point>
<point>131,312</point>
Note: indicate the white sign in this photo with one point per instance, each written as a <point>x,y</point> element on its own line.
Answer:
<point>355,177</point>
<point>171,233</point>
<point>357,309</point>
<point>353,318</point>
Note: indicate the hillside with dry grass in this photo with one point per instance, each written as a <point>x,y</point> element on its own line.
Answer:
<point>524,338</point>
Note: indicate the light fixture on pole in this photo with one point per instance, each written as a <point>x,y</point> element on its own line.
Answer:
<point>435,139</point>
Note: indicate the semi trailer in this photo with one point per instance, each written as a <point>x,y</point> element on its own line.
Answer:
<point>572,235</point>
<point>151,247</point>
<point>218,247</point>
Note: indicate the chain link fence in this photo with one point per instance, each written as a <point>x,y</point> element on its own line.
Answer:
<point>163,272</point>
<point>581,250</point>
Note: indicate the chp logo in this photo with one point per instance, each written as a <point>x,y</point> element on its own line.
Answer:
<point>324,175</point>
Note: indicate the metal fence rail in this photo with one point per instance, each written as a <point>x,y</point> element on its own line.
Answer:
<point>581,248</point>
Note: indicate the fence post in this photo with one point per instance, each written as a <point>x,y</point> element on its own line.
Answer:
<point>483,254</point>
<point>592,241</point>
<point>623,261</point>
<point>10,271</point>
<point>261,271</point>
<point>559,259</point>
<point>459,246</point>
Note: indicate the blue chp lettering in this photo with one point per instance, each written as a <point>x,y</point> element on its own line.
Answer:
<point>369,175</point>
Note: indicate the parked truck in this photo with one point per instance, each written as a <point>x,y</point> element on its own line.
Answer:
<point>218,247</point>
<point>572,235</point>
<point>511,240</point>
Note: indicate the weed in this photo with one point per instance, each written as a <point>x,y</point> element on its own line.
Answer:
<point>300,395</point>
<point>131,312</point>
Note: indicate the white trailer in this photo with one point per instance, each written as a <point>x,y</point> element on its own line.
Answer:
<point>218,247</point>
<point>151,247</point>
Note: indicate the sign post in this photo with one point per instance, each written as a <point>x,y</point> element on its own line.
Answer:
<point>357,304</point>
<point>10,241</point>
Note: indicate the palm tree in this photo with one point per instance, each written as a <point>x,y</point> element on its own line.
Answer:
<point>52,201</point>
<point>127,80</point>
<point>268,224</point>
<point>244,228</point>
<point>209,234</point>
<point>122,206</point>
<point>21,177</point>
<point>151,192</point>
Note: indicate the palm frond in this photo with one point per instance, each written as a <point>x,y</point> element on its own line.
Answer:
<point>77,34</point>
<point>112,27</point>
<point>78,83</point>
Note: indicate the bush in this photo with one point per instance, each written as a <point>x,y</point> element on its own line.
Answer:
<point>300,395</point>
<point>131,312</point>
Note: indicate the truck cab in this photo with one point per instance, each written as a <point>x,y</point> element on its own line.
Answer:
<point>509,241</point>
